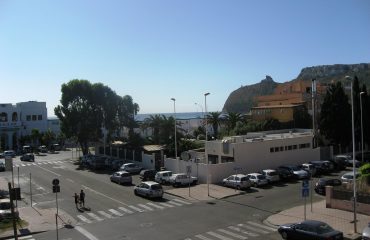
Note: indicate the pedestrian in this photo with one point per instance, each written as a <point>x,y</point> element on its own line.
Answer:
<point>82,198</point>
<point>76,199</point>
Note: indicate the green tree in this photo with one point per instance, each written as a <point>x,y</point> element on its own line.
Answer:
<point>86,108</point>
<point>35,137</point>
<point>335,116</point>
<point>214,118</point>
<point>302,119</point>
<point>48,137</point>
<point>231,119</point>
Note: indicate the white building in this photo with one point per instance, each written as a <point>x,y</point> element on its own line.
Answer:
<point>19,120</point>
<point>250,153</point>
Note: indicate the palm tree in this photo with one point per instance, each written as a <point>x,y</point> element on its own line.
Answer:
<point>35,136</point>
<point>154,122</point>
<point>214,118</point>
<point>232,119</point>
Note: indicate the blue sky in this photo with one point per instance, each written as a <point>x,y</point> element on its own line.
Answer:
<point>155,50</point>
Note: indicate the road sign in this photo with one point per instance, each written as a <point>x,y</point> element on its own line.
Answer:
<point>305,184</point>
<point>56,188</point>
<point>55,181</point>
<point>305,192</point>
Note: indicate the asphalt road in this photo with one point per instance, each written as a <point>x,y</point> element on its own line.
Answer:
<point>116,213</point>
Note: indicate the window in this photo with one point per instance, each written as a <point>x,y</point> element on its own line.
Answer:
<point>39,117</point>
<point>34,117</point>
<point>276,149</point>
<point>271,149</point>
<point>281,149</point>
<point>3,117</point>
<point>28,117</point>
<point>294,147</point>
<point>14,117</point>
<point>290,147</point>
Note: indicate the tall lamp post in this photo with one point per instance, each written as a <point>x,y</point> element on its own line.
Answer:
<point>353,158</point>
<point>205,148</point>
<point>362,130</point>
<point>174,110</point>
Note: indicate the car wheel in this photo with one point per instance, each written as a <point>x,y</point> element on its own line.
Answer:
<point>284,235</point>
<point>135,192</point>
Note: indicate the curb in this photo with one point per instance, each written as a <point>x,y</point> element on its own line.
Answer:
<point>21,235</point>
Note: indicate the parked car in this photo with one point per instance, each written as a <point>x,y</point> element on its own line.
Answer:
<point>131,167</point>
<point>339,162</point>
<point>330,165</point>
<point>149,189</point>
<point>121,177</point>
<point>9,153</point>
<point>366,156</point>
<point>310,229</point>
<point>321,166</point>
<point>116,164</point>
<point>257,179</point>
<point>181,179</point>
<point>366,232</point>
<point>271,175</point>
<point>5,209</point>
<point>238,181</point>
<point>43,149</point>
<point>350,163</point>
<point>163,176</point>
<point>298,173</point>
<point>323,182</point>
<point>97,162</point>
<point>26,149</point>
<point>348,177</point>
<point>148,174</point>
<point>2,166</point>
<point>285,173</point>
<point>28,157</point>
<point>310,168</point>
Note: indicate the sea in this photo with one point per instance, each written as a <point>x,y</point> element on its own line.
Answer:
<point>182,115</point>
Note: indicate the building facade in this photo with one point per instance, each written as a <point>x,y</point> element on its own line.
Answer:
<point>18,120</point>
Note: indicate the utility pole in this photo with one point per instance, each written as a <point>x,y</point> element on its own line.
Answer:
<point>12,195</point>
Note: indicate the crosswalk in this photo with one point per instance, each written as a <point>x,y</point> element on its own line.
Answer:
<point>90,217</point>
<point>41,163</point>
<point>245,230</point>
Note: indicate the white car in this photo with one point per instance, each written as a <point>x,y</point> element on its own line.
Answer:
<point>162,176</point>
<point>121,177</point>
<point>149,189</point>
<point>348,177</point>
<point>271,175</point>
<point>131,168</point>
<point>257,179</point>
<point>181,179</point>
<point>238,181</point>
<point>310,168</point>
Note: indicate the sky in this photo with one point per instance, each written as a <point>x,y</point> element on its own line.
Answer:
<point>155,50</point>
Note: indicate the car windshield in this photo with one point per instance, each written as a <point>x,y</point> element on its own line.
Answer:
<point>272,173</point>
<point>261,177</point>
<point>156,187</point>
<point>324,228</point>
<point>243,179</point>
<point>295,168</point>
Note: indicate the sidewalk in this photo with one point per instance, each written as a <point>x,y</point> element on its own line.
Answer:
<point>338,219</point>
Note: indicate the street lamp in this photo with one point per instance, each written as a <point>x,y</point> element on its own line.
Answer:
<point>353,158</point>
<point>205,143</point>
<point>362,130</point>
<point>174,110</point>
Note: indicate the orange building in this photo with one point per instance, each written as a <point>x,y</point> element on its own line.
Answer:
<point>286,98</point>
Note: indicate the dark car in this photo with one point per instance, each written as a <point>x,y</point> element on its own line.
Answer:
<point>28,157</point>
<point>2,167</point>
<point>339,163</point>
<point>148,174</point>
<point>310,229</point>
<point>285,173</point>
<point>322,167</point>
<point>323,182</point>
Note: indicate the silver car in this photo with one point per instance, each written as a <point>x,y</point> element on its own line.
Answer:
<point>149,189</point>
<point>131,168</point>
<point>238,181</point>
<point>121,177</point>
<point>257,179</point>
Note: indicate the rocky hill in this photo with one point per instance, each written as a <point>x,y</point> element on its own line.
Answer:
<point>242,99</point>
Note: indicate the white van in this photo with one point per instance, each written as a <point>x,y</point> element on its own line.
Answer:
<point>163,176</point>
<point>9,153</point>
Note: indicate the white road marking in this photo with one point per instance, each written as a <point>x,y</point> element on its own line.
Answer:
<point>175,203</point>
<point>115,212</point>
<point>237,229</point>
<point>105,214</point>
<point>181,201</point>
<point>145,207</point>
<point>83,218</point>
<point>136,208</point>
<point>155,205</point>
<point>232,234</point>
<point>166,205</point>
<point>102,194</point>
<point>70,180</point>
<point>23,165</point>
<point>202,237</point>
<point>219,236</point>
<point>96,217</point>
<point>34,164</point>
<point>252,228</point>
<point>29,164</point>
<point>86,233</point>
<point>262,226</point>
<point>126,210</point>
<point>50,171</point>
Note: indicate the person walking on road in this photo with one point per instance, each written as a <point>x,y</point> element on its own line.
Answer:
<point>82,198</point>
<point>76,200</point>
